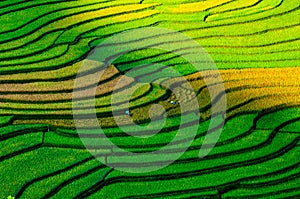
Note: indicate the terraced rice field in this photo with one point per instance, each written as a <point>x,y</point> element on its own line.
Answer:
<point>254,43</point>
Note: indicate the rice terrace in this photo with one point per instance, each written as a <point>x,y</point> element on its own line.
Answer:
<point>141,97</point>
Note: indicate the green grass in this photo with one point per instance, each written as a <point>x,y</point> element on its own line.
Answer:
<point>49,54</point>
<point>11,129</point>
<point>241,124</point>
<point>40,162</point>
<point>20,4</point>
<point>278,117</point>
<point>293,127</point>
<point>264,6</point>
<point>5,120</point>
<point>280,189</point>
<point>194,181</point>
<point>41,188</point>
<point>43,43</point>
<point>40,26</point>
<point>73,53</point>
<point>51,138</point>
<point>261,39</point>
<point>81,184</point>
<point>19,143</point>
<point>275,176</point>
<point>13,20</point>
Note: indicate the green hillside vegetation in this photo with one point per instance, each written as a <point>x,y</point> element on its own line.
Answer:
<point>255,46</point>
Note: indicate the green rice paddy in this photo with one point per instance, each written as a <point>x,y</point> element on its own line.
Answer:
<point>254,43</point>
